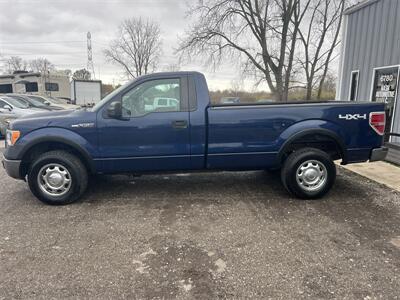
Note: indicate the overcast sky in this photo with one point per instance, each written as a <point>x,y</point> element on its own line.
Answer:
<point>56,29</point>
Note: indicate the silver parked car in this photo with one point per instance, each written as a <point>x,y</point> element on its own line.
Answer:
<point>12,108</point>
<point>33,102</point>
<point>53,102</point>
<point>5,118</point>
<point>17,107</point>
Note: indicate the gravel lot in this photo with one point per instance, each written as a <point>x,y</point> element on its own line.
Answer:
<point>201,236</point>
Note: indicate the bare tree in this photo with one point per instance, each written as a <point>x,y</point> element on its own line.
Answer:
<point>82,74</point>
<point>41,65</point>
<point>66,72</point>
<point>137,48</point>
<point>320,38</point>
<point>15,63</point>
<point>237,85</point>
<point>264,32</point>
<point>172,67</point>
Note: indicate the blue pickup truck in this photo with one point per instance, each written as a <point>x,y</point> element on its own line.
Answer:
<point>126,132</point>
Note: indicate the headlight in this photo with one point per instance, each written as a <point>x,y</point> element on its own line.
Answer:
<point>12,137</point>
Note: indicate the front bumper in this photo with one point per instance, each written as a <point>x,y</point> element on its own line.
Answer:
<point>378,154</point>
<point>12,168</point>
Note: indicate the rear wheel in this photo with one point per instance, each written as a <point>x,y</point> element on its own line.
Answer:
<point>308,173</point>
<point>57,178</point>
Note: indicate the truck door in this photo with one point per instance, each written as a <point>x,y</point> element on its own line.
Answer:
<point>149,136</point>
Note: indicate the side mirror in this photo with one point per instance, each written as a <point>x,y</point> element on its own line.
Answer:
<point>47,102</point>
<point>114,110</point>
<point>8,107</point>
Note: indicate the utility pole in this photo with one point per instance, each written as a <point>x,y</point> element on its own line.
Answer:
<point>90,66</point>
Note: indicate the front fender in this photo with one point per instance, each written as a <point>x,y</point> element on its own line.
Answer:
<point>308,127</point>
<point>51,134</point>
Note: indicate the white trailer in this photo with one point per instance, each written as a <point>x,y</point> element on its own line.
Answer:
<point>41,84</point>
<point>85,92</point>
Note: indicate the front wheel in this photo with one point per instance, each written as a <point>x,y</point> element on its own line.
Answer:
<point>308,173</point>
<point>57,178</point>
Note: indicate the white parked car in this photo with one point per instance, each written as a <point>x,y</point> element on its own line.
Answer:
<point>163,104</point>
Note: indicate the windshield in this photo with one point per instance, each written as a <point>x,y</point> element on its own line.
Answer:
<point>110,96</point>
<point>17,102</point>
<point>57,101</point>
<point>36,99</point>
<point>35,102</point>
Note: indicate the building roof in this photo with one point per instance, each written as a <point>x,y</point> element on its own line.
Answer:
<point>7,76</point>
<point>35,74</point>
<point>359,6</point>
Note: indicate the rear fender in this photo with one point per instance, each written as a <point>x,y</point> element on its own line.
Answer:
<point>310,127</point>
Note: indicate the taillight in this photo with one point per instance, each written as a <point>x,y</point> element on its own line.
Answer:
<point>377,120</point>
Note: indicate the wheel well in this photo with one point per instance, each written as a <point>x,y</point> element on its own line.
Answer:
<point>43,147</point>
<point>319,141</point>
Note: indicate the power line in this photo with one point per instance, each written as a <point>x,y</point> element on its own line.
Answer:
<point>36,42</point>
<point>40,53</point>
<point>136,2</point>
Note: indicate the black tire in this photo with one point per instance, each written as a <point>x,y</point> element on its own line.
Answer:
<point>77,172</point>
<point>298,187</point>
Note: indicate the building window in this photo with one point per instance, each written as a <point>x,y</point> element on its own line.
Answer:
<point>6,88</point>
<point>354,85</point>
<point>31,87</point>
<point>51,87</point>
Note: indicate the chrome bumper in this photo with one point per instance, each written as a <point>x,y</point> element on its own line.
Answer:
<point>378,154</point>
<point>12,167</point>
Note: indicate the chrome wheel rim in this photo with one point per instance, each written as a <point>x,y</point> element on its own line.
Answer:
<point>54,180</point>
<point>311,175</point>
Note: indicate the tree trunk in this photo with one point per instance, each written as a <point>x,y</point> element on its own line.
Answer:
<point>320,87</point>
<point>309,91</point>
<point>280,91</point>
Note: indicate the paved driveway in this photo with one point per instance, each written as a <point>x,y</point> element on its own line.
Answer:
<point>228,235</point>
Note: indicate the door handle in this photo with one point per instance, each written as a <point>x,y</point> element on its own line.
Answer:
<point>180,124</point>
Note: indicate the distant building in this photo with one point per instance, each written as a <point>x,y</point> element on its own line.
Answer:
<point>56,85</point>
<point>370,60</point>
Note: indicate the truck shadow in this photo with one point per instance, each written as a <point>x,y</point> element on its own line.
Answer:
<point>212,188</point>
<point>198,187</point>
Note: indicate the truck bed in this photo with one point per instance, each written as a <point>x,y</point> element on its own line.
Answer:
<point>239,134</point>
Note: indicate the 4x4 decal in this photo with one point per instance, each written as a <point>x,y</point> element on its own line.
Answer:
<point>349,117</point>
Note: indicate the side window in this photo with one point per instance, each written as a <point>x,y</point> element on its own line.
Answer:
<point>162,102</point>
<point>6,88</point>
<point>163,95</point>
<point>51,87</point>
<point>2,104</point>
<point>31,87</point>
